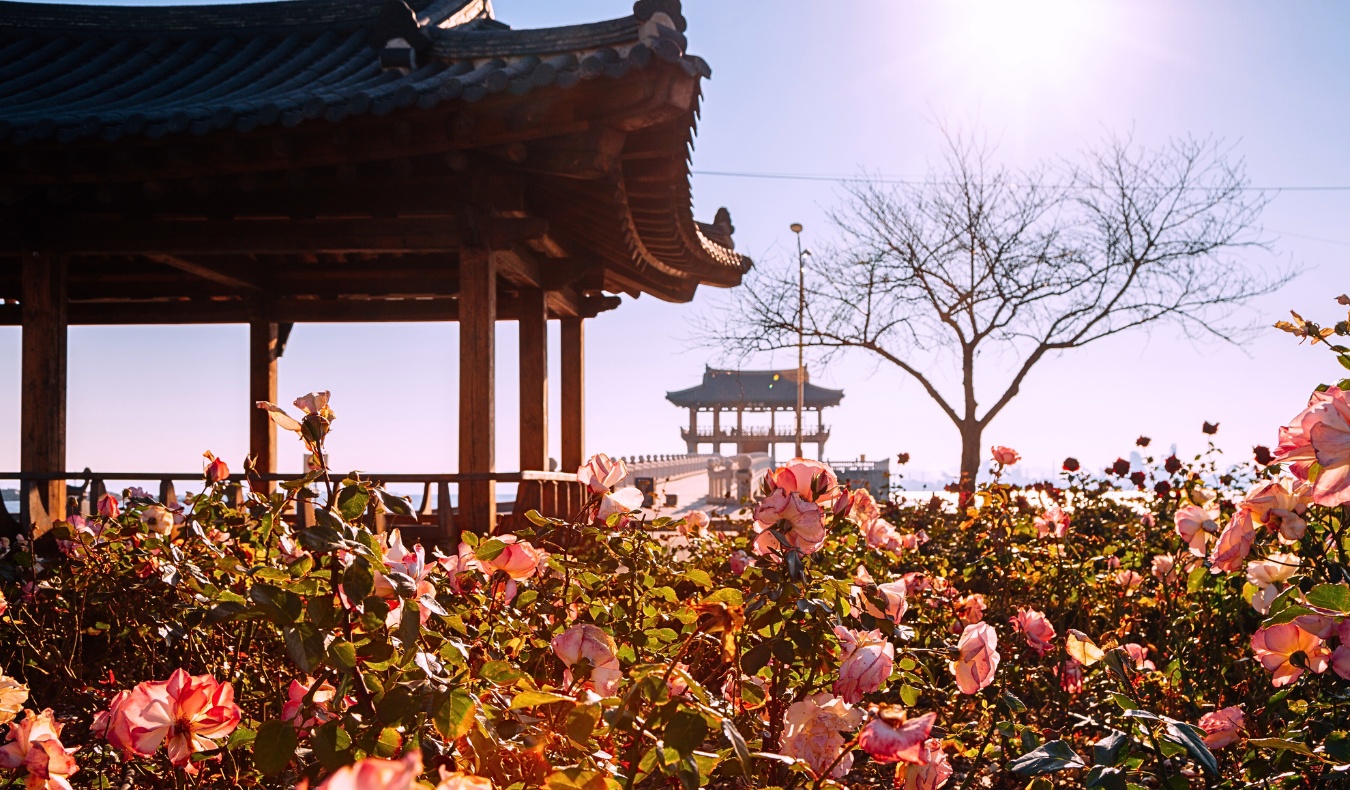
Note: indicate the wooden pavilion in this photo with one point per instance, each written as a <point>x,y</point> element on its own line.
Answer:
<point>343,160</point>
<point>741,391</point>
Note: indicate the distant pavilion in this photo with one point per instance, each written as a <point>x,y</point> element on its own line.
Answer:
<point>741,391</point>
<point>345,161</point>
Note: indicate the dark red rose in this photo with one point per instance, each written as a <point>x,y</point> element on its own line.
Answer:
<point>1071,465</point>
<point>1262,454</point>
<point>1172,464</point>
<point>1121,467</point>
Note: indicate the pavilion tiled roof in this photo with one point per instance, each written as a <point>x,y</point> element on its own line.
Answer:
<point>754,389</point>
<point>89,76</point>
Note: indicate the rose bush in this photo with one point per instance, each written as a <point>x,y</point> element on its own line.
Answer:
<point>1175,624</point>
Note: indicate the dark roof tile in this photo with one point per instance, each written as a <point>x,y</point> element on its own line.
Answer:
<point>755,389</point>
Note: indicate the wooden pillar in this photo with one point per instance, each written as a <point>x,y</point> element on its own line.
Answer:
<point>477,388</point>
<point>717,430</point>
<point>533,380</point>
<point>42,441</point>
<point>691,444</point>
<point>262,386</point>
<point>573,415</point>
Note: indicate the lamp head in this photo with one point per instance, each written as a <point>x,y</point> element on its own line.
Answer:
<point>796,227</point>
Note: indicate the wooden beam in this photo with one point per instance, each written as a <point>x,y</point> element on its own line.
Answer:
<point>518,267</point>
<point>263,347</point>
<point>477,387</point>
<point>573,416</point>
<point>263,236</point>
<point>212,272</point>
<point>42,441</point>
<point>533,380</point>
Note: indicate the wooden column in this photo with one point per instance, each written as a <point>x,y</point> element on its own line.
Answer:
<point>573,358</point>
<point>691,445</point>
<point>717,430</point>
<point>477,388</point>
<point>262,386</point>
<point>42,441</point>
<point>533,380</point>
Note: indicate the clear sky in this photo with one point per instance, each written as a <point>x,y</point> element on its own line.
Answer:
<point>836,88</point>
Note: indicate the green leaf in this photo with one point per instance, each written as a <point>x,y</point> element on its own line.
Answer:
<point>397,505</point>
<point>239,737</point>
<point>1330,596</point>
<point>699,577</point>
<point>685,732</point>
<point>738,746</point>
<point>726,595</point>
<point>532,699</point>
<point>909,695</point>
<point>358,582</point>
<point>274,747</point>
<point>224,611</point>
<point>489,550</point>
<point>1286,745</point>
<point>1109,750</point>
<point>389,743</point>
<point>321,538</point>
<point>352,501</point>
<point>342,655</point>
<point>1193,738</point>
<point>1009,699</point>
<point>396,705</point>
<point>454,714</point>
<point>1105,777</point>
<point>757,657</point>
<point>280,606</point>
<point>331,743</point>
<point>581,722</point>
<point>305,644</point>
<point>1049,758</point>
<point>500,672</point>
<point>1338,746</point>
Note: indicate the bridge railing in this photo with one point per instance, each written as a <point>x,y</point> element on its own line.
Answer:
<point>735,478</point>
<point>665,467</point>
<point>754,432</point>
<point>554,494</point>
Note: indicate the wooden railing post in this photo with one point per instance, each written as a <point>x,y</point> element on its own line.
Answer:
<point>477,387</point>
<point>262,386</point>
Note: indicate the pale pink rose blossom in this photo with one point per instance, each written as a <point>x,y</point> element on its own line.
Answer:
<point>1127,580</point>
<point>1164,567</point>
<point>519,559</point>
<point>739,561</point>
<point>413,564</point>
<point>1004,456</point>
<point>1234,544</point>
<point>1269,576</point>
<point>892,737</point>
<point>1194,524</point>
<point>1320,434</point>
<point>866,663</point>
<point>34,743</point>
<point>812,732</point>
<point>1222,727</point>
<point>461,781</point>
<point>1340,661</point>
<point>589,642</point>
<point>304,716</point>
<point>600,474</point>
<point>799,520</point>
<point>932,772</point>
<point>463,562</point>
<point>620,502</point>
<point>977,658</point>
<point>896,605</point>
<point>1275,644</point>
<point>863,507</point>
<point>1139,657</point>
<point>13,695</point>
<point>372,773</point>
<point>813,481</point>
<point>1039,632</point>
<point>187,713</point>
<point>971,608</point>
<point>862,577</point>
<point>1054,522</point>
<point>216,469</point>
<point>108,507</point>
<point>913,540</point>
<point>1278,505</point>
<point>1071,676</point>
<point>158,519</point>
<point>695,522</point>
<point>881,535</point>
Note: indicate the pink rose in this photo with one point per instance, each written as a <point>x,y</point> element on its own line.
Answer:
<point>1193,524</point>
<point>740,561</point>
<point>1071,676</point>
<point>372,773</point>
<point>695,522</point>
<point>1128,580</point>
<point>896,605</point>
<point>799,520</point>
<point>623,501</point>
<point>1278,505</point>
<point>1222,726</point>
<point>1004,456</point>
<point>1274,645</point>
<point>1164,566</point>
<point>588,642</point>
<point>1320,434</point>
<point>464,562</point>
<point>1053,521</point>
<point>108,507</point>
<point>519,559</point>
<point>863,507</point>
<point>35,744</point>
<point>1234,544</point>
<point>933,770</point>
<point>1340,661</point>
<point>462,781</point>
<point>1039,632</point>
<point>971,608</point>
<point>295,708</point>
<point>892,738</point>
<point>812,732</point>
<point>216,469</point>
<point>1139,657</point>
<point>188,713</point>
<point>977,658</point>
<point>867,663</point>
<point>811,480</point>
<point>881,535</point>
<point>600,474</point>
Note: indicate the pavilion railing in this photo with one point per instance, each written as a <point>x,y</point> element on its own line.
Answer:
<point>554,494</point>
<point>786,432</point>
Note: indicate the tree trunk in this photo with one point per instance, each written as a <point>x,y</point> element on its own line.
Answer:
<point>971,455</point>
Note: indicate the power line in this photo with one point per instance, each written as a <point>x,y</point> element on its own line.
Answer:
<point>910,181</point>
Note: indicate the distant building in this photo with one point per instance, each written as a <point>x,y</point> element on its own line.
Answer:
<point>741,391</point>
<point>875,476</point>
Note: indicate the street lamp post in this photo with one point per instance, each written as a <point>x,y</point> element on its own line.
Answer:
<point>801,317</point>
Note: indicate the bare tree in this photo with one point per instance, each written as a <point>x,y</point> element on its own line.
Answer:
<point>976,274</point>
